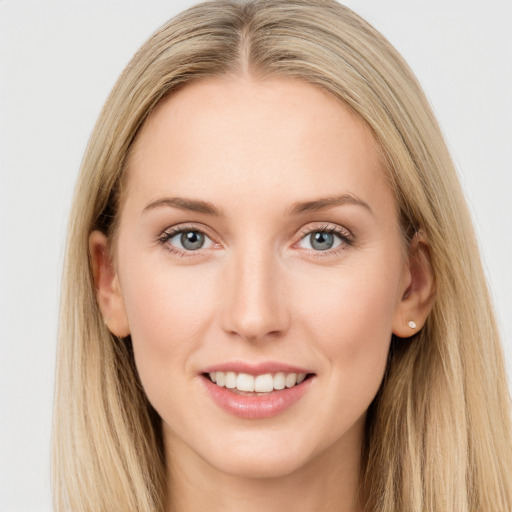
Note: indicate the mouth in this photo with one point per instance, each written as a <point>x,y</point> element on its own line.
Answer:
<point>259,394</point>
<point>256,385</point>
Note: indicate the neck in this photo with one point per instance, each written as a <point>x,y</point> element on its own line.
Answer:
<point>329,482</point>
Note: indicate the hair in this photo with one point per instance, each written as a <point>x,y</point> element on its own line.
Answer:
<point>438,433</point>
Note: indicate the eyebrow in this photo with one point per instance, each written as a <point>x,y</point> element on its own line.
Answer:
<point>183,203</point>
<point>325,203</point>
<point>198,206</point>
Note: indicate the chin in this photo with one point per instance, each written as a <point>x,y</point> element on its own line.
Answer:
<point>264,453</point>
<point>264,466</point>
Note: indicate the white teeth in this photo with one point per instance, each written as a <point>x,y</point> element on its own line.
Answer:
<point>231,380</point>
<point>279,380</point>
<point>264,383</point>
<point>290,380</point>
<point>260,384</point>
<point>245,382</point>
<point>220,379</point>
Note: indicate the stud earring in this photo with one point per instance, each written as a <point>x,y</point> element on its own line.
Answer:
<point>412,324</point>
<point>107,320</point>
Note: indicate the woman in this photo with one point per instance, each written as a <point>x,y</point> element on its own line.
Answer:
<point>277,297</point>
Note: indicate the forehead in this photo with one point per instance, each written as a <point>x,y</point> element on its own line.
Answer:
<point>277,138</point>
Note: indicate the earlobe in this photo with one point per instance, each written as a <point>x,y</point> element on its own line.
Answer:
<point>108,292</point>
<point>418,294</point>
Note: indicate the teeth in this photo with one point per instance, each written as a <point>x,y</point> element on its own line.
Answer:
<point>245,382</point>
<point>264,383</point>
<point>220,379</point>
<point>291,380</point>
<point>231,380</point>
<point>279,380</point>
<point>260,384</point>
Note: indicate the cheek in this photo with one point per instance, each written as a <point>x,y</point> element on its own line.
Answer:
<point>350,318</point>
<point>354,303</point>
<point>169,310</point>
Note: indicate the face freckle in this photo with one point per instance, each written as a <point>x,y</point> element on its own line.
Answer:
<point>258,231</point>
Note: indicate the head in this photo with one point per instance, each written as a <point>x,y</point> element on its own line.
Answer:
<point>345,63</point>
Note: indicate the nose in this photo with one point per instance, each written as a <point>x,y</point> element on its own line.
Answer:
<point>255,308</point>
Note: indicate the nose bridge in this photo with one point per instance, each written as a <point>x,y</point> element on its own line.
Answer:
<point>255,306</point>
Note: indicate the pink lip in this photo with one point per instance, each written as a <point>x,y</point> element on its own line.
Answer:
<point>255,369</point>
<point>255,406</point>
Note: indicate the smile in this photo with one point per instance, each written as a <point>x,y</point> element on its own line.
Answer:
<point>256,391</point>
<point>264,383</point>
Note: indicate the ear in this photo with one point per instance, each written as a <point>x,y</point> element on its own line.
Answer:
<point>108,292</point>
<point>418,290</point>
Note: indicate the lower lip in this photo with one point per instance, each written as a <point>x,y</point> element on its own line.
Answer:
<point>254,406</point>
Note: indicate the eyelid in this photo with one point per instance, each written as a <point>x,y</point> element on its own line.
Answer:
<point>345,235</point>
<point>325,226</point>
<point>170,232</point>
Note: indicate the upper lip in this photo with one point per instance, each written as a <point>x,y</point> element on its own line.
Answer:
<point>255,368</point>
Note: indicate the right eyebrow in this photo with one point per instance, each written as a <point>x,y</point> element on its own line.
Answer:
<point>325,203</point>
<point>184,203</point>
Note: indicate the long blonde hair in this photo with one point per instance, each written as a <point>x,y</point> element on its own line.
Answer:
<point>438,434</point>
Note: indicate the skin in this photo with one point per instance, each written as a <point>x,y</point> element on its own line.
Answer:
<point>258,290</point>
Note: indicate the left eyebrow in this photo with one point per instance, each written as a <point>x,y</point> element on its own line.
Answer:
<point>185,203</point>
<point>325,203</point>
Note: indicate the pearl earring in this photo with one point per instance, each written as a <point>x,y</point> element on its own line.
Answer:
<point>412,324</point>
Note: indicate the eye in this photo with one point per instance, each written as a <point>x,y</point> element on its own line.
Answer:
<point>191,240</point>
<point>325,239</point>
<point>320,241</point>
<point>186,240</point>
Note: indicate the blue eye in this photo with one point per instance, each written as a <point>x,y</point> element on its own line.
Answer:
<point>187,240</point>
<point>322,240</point>
<point>192,240</point>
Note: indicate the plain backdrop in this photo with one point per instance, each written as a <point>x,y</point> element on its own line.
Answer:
<point>58,61</point>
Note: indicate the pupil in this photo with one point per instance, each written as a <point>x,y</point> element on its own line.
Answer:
<point>192,240</point>
<point>321,241</point>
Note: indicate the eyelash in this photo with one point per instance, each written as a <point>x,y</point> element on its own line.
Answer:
<point>176,230</point>
<point>346,237</point>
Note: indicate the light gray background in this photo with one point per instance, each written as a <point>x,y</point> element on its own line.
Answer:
<point>58,61</point>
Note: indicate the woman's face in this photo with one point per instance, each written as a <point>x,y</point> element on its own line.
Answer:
<point>259,239</point>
